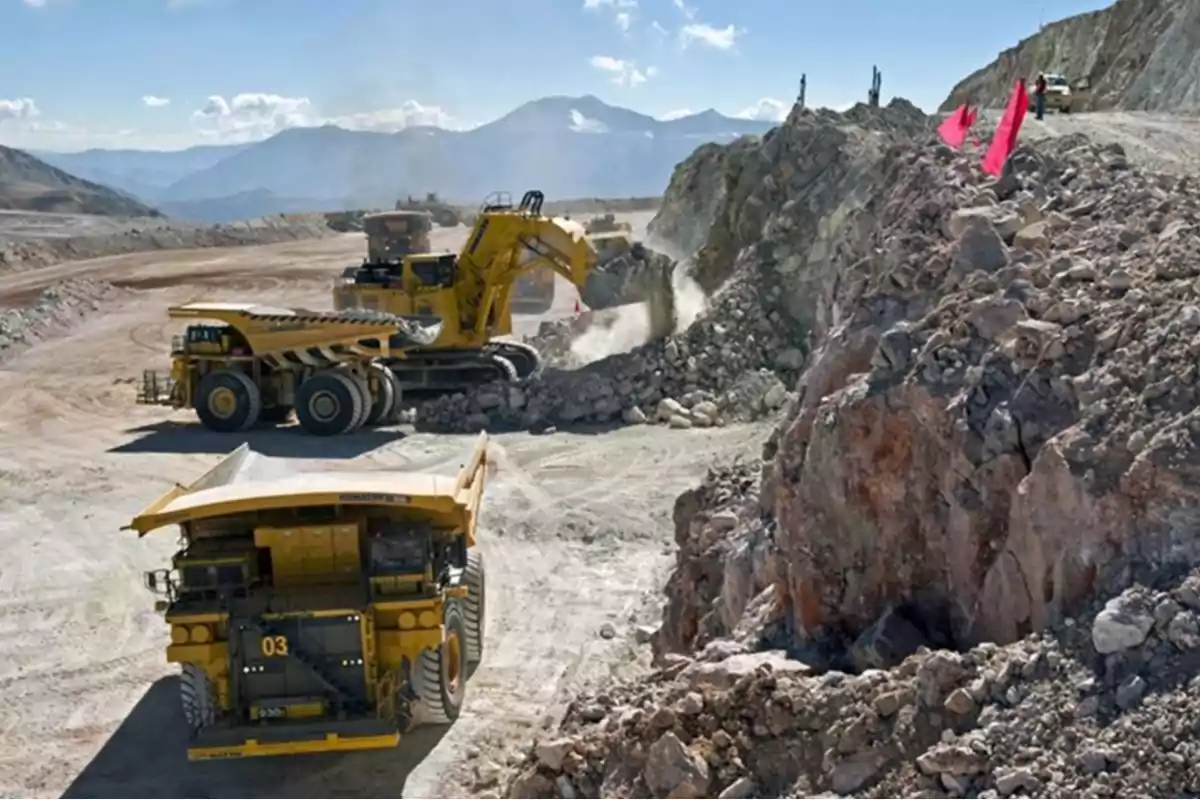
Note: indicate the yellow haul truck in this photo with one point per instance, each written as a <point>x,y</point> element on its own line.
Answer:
<point>260,363</point>
<point>320,611</point>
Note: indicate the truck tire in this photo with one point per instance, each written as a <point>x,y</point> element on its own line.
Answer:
<point>383,404</point>
<point>327,404</point>
<point>359,383</point>
<point>440,676</point>
<point>397,395</point>
<point>228,401</point>
<point>475,607</point>
<point>196,695</point>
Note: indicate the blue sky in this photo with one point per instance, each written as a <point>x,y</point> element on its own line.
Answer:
<point>167,74</point>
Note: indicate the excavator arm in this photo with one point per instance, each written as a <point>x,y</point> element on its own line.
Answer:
<point>507,243</point>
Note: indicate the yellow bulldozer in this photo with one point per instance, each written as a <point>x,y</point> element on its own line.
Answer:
<point>319,611</point>
<point>259,363</point>
<point>471,294</point>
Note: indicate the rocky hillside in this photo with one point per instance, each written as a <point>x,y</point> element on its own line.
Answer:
<point>28,184</point>
<point>965,563</point>
<point>1136,55</point>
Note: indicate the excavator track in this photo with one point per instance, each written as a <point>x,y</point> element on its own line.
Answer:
<point>454,370</point>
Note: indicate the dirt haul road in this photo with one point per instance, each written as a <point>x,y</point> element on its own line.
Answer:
<point>577,534</point>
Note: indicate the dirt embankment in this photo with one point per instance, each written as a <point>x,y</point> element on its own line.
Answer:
<point>30,240</point>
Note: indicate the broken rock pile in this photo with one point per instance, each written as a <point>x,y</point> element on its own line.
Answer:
<point>996,431</point>
<point>1104,706</point>
<point>56,309</point>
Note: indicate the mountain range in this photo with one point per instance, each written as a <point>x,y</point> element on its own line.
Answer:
<point>568,147</point>
<point>29,184</point>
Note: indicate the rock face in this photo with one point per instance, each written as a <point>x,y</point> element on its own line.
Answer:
<point>1135,54</point>
<point>819,164</point>
<point>997,420</point>
<point>1024,432</point>
<point>696,192</point>
<point>1046,716</point>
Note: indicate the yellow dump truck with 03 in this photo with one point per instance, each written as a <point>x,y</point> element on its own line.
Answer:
<point>320,611</point>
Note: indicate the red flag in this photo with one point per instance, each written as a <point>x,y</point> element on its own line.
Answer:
<point>953,129</point>
<point>1005,138</point>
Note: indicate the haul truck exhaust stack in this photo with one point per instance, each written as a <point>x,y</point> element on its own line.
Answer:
<point>320,611</point>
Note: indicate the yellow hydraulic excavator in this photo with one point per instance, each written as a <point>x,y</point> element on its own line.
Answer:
<point>471,294</point>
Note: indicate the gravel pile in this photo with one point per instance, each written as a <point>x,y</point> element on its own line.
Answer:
<point>1106,705</point>
<point>57,309</point>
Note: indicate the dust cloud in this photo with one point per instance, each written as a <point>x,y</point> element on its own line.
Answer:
<point>626,327</point>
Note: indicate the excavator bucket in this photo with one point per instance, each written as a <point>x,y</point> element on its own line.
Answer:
<point>660,305</point>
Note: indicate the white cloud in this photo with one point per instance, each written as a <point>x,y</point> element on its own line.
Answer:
<point>18,108</point>
<point>717,38</point>
<point>582,124</point>
<point>388,120</point>
<point>768,109</point>
<point>251,116</point>
<point>623,11</point>
<point>686,10</point>
<point>658,28</point>
<point>678,113</point>
<point>150,101</point>
<point>624,73</point>
<point>35,3</point>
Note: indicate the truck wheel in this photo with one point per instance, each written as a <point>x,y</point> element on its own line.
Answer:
<point>228,401</point>
<point>364,398</point>
<point>440,677</point>
<point>327,404</point>
<point>196,694</point>
<point>397,395</point>
<point>383,404</point>
<point>475,608</point>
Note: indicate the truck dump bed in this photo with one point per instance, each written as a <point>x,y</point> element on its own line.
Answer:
<point>248,481</point>
<point>269,329</point>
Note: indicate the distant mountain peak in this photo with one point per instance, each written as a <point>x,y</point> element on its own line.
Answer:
<point>567,146</point>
